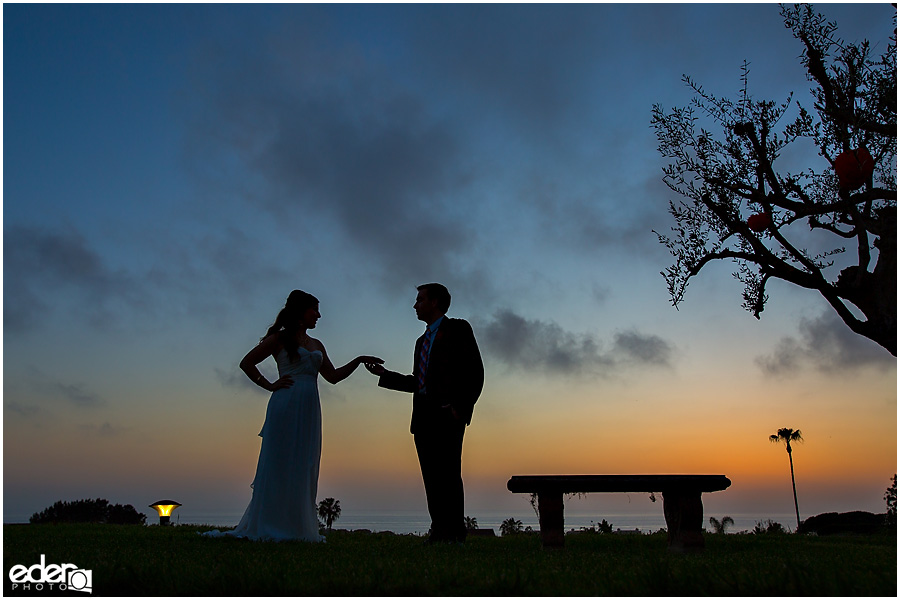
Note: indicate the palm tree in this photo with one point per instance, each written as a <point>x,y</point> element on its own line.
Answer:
<point>787,436</point>
<point>510,526</point>
<point>471,523</point>
<point>329,510</point>
<point>720,526</point>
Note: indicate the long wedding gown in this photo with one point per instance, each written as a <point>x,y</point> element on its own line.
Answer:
<point>283,506</point>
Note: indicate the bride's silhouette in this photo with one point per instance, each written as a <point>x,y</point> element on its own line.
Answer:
<point>283,506</point>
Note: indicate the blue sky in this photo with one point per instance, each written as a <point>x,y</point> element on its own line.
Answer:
<point>171,172</point>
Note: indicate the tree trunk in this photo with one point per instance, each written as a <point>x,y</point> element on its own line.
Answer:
<point>875,293</point>
<point>794,485</point>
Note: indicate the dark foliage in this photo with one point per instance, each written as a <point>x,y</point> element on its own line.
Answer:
<point>890,498</point>
<point>89,511</point>
<point>770,527</point>
<point>860,522</point>
<point>510,526</point>
<point>329,511</point>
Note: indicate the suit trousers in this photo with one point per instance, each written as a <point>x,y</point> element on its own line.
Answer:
<point>439,446</point>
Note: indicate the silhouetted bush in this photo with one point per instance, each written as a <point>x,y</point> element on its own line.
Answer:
<point>601,527</point>
<point>890,498</point>
<point>860,522</point>
<point>124,515</point>
<point>89,511</point>
<point>769,527</point>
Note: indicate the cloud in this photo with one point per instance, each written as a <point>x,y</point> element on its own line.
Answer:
<point>77,395</point>
<point>544,346</point>
<point>600,293</point>
<point>525,62</point>
<point>330,140</point>
<point>40,266</point>
<point>54,390</point>
<point>786,358</point>
<point>21,409</point>
<point>106,430</point>
<point>51,272</point>
<point>826,344</point>
<point>642,349</point>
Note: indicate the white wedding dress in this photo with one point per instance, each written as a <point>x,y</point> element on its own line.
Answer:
<point>283,506</point>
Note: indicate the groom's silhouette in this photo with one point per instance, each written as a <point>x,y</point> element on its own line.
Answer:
<point>447,379</point>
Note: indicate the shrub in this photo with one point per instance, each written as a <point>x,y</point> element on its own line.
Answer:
<point>858,522</point>
<point>89,511</point>
<point>769,527</point>
<point>890,498</point>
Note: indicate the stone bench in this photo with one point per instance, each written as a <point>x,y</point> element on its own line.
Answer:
<point>682,506</point>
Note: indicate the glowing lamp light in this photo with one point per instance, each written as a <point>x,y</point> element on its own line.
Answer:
<point>854,168</point>
<point>165,508</point>
<point>760,222</point>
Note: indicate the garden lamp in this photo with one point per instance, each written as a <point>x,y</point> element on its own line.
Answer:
<point>164,508</point>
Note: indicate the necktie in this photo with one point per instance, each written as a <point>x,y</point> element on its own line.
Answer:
<point>423,360</point>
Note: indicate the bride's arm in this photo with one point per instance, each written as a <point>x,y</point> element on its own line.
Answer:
<point>335,375</point>
<point>263,350</point>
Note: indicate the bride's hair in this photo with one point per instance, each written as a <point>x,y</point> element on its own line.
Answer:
<point>287,323</point>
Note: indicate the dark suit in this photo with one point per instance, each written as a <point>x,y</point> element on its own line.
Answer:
<point>454,379</point>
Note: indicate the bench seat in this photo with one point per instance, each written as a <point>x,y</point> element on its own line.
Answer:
<point>682,506</point>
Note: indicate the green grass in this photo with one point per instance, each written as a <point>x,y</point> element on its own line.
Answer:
<point>175,561</point>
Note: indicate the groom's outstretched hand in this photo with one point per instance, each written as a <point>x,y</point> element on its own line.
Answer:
<point>375,368</point>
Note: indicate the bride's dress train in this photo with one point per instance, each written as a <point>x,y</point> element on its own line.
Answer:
<point>283,506</point>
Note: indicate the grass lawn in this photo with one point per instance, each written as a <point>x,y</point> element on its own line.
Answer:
<point>176,561</point>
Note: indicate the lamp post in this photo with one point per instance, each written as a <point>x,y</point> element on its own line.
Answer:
<point>165,508</point>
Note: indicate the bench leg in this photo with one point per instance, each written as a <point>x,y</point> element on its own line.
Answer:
<point>550,512</point>
<point>684,519</point>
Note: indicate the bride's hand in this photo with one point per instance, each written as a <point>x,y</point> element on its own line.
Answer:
<point>282,383</point>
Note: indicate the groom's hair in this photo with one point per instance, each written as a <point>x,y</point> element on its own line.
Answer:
<point>438,293</point>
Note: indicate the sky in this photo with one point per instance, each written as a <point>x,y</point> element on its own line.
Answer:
<point>172,172</point>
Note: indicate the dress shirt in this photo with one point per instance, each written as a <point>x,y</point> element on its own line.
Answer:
<point>430,333</point>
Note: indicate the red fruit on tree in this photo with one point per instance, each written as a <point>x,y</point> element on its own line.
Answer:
<point>760,222</point>
<point>853,168</point>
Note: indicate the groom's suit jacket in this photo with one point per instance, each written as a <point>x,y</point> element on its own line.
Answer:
<point>455,376</point>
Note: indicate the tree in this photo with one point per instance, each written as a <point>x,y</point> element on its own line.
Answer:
<point>720,526</point>
<point>119,514</point>
<point>787,436</point>
<point>890,498</point>
<point>471,523</point>
<point>511,526</point>
<point>329,511</point>
<point>89,511</point>
<point>737,207</point>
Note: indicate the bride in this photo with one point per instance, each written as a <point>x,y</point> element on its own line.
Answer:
<point>283,506</point>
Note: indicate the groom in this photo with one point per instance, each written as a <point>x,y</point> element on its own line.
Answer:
<point>447,379</point>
